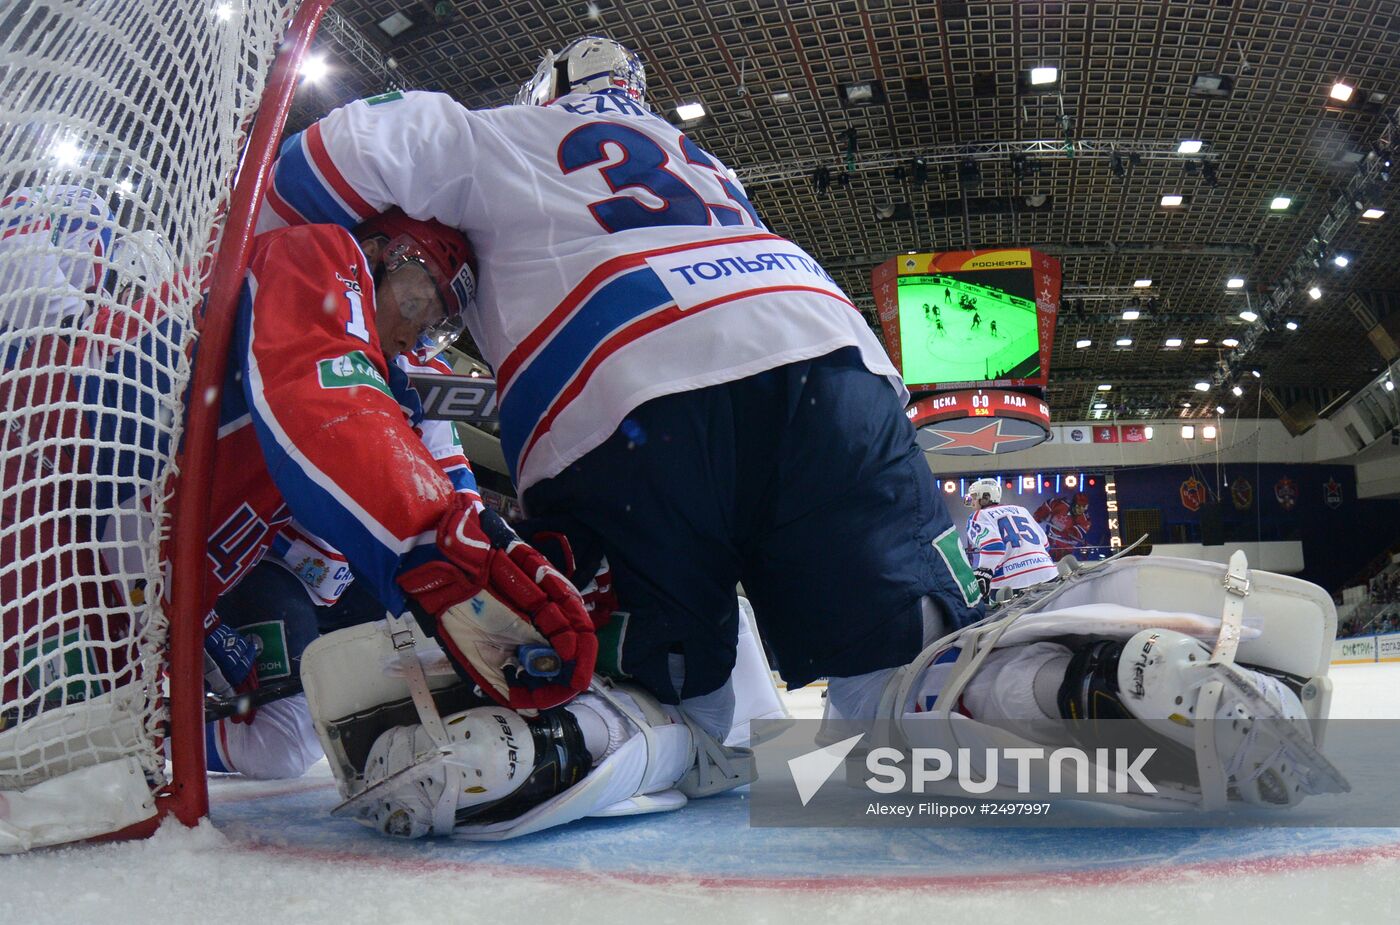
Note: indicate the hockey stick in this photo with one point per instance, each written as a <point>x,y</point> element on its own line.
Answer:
<point>217,707</point>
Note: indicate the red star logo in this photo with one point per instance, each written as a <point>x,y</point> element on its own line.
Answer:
<point>985,439</point>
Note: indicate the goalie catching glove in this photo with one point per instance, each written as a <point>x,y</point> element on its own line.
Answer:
<point>491,598</point>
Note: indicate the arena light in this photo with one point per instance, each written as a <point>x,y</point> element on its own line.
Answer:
<point>1044,75</point>
<point>1208,432</point>
<point>1230,342</point>
<point>1201,387</point>
<point>950,487</point>
<point>1105,387</point>
<point>1171,200</point>
<point>1235,282</point>
<point>1341,91</point>
<point>689,112</point>
<point>1291,325</point>
<point>126,186</point>
<point>1315,293</point>
<point>1173,342</point>
<point>1255,373</point>
<point>1142,283</point>
<point>1100,405</point>
<point>1373,214</point>
<point>1188,432</point>
<point>1249,316</point>
<point>1201,341</point>
<point>1342,261</point>
<point>66,152</point>
<point>1147,432</point>
<point>1071,481</point>
<point>1219,409</point>
<point>224,12</point>
<point>1131,314</point>
<point>314,68</point>
<point>1236,391</point>
<point>1124,341</point>
<point>1082,343</point>
<point>1189,146</point>
<point>1389,385</point>
<point>395,24</point>
<point>1281,203</point>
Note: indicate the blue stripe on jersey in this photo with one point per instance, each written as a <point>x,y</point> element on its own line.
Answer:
<point>314,507</point>
<point>462,479</point>
<point>212,754</point>
<point>299,186</point>
<point>997,546</point>
<point>540,381</point>
<point>121,407</point>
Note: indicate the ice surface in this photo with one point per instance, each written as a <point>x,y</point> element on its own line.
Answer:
<point>275,857</point>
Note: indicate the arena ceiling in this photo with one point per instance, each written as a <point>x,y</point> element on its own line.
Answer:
<point>1250,79</point>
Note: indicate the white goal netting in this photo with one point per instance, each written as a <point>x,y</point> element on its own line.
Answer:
<point>121,127</point>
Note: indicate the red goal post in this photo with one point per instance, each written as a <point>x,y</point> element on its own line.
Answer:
<point>136,138</point>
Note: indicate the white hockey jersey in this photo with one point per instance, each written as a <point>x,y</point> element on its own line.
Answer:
<point>1006,540</point>
<point>618,261</point>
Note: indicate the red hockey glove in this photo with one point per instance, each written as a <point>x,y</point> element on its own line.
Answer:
<point>498,606</point>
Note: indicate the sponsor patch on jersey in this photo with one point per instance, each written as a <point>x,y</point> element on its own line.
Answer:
<point>351,371</point>
<point>390,97</point>
<point>273,660</point>
<point>953,557</point>
<point>699,275</point>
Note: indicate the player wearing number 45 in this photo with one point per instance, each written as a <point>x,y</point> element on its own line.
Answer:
<point>679,386</point>
<point>1007,546</point>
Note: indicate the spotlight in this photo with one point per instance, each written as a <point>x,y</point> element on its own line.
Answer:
<point>821,179</point>
<point>1235,282</point>
<point>1206,84</point>
<point>1018,166</point>
<point>1230,342</point>
<point>1281,203</point>
<point>1188,146</point>
<point>1249,316</point>
<point>1201,341</point>
<point>1208,174</point>
<point>969,173</point>
<point>1147,434</point>
<point>1124,342</point>
<point>1044,75</point>
<point>314,68</point>
<point>1389,385</point>
<point>1372,214</point>
<point>1188,432</point>
<point>1115,164</point>
<point>1171,200</point>
<point>1141,283</point>
<point>1173,342</point>
<point>863,93</point>
<point>1202,387</point>
<point>1105,387</point>
<point>1315,293</point>
<point>1044,79</point>
<point>1342,261</point>
<point>1341,91</point>
<point>1254,373</point>
<point>1131,314</point>
<point>1237,391</point>
<point>1208,432</point>
<point>66,152</point>
<point>1291,325</point>
<point>1081,344</point>
<point>919,171</point>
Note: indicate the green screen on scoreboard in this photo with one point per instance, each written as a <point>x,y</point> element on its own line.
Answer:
<point>968,326</point>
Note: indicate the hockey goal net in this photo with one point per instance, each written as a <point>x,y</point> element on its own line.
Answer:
<point>130,166</point>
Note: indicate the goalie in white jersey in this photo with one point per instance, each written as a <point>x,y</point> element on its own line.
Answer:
<point>1007,547</point>
<point>678,385</point>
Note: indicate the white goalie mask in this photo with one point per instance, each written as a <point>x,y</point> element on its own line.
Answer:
<point>142,258</point>
<point>989,489</point>
<point>589,64</point>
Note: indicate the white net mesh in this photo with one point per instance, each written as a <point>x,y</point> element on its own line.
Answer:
<point>121,127</point>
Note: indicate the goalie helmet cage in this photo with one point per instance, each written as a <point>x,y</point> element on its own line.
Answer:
<point>131,166</point>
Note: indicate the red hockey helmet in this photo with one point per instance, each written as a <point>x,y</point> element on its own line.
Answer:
<point>447,257</point>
